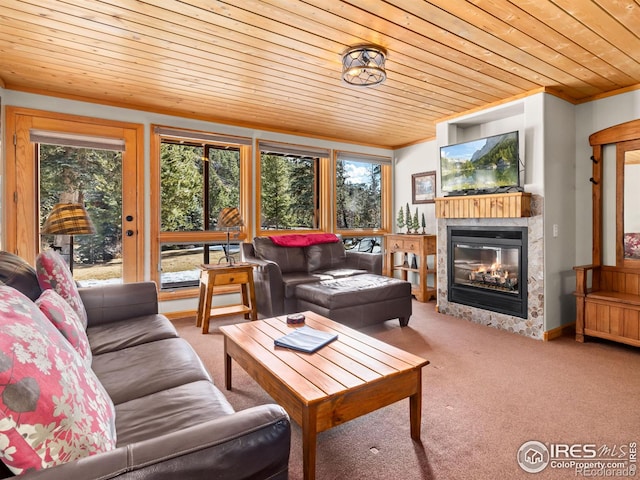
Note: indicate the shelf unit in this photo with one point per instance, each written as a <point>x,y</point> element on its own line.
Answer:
<point>422,246</point>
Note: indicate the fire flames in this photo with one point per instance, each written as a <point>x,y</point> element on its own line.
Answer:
<point>493,275</point>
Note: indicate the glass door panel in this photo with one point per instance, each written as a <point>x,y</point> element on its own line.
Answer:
<point>92,177</point>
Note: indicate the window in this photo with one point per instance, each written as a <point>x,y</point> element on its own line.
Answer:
<point>179,262</point>
<point>197,181</point>
<point>198,175</point>
<point>364,244</point>
<point>362,195</point>
<point>291,187</point>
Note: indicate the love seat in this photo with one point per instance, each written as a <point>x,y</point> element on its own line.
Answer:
<point>162,417</point>
<point>314,272</point>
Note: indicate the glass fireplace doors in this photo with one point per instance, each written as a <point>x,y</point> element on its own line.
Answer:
<point>488,268</point>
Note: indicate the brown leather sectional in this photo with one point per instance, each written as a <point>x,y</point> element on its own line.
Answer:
<point>172,422</point>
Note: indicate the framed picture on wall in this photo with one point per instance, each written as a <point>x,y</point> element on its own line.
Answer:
<point>423,187</point>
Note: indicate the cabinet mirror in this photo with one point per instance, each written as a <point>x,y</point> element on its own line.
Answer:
<point>628,204</point>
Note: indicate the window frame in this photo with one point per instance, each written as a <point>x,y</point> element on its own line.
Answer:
<point>159,237</point>
<point>386,202</point>
<point>323,187</point>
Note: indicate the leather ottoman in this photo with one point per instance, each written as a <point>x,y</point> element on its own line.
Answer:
<point>358,301</point>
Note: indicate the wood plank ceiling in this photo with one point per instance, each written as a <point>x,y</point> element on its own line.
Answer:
<point>276,64</point>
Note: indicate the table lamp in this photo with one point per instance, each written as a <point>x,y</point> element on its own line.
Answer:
<point>68,219</point>
<point>229,217</point>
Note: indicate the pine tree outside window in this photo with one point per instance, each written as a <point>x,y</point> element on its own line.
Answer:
<point>290,187</point>
<point>362,190</point>
<point>199,174</point>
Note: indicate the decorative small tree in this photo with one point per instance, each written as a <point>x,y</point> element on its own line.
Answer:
<point>415,224</point>
<point>400,219</point>
<point>424,224</point>
<point>407,216</point>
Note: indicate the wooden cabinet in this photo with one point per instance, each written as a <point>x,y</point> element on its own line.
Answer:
<point>399,252</point>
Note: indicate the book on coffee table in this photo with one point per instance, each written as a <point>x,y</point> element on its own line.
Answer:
<point>305,339</point>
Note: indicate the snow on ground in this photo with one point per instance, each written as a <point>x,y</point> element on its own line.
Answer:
<point>166,278</point>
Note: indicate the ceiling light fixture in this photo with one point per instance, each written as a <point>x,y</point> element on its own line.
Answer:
<point>363,65</point>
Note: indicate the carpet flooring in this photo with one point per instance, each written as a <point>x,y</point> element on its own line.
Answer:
<point>485,393</point>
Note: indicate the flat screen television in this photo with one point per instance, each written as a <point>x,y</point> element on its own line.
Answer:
<point>488,165</point>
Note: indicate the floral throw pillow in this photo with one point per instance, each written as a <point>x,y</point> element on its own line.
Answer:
<point>53,409</point>
<point>65,319</point>
<point>54,273</point>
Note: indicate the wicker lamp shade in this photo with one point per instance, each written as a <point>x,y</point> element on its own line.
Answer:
<point>229,217</point>
<point>68,219</point>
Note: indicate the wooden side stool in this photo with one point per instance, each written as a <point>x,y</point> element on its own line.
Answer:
<point>225,274</point>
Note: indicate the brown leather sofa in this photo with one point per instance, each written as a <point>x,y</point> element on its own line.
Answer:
<point>343,285</point>
<point>172,422</point>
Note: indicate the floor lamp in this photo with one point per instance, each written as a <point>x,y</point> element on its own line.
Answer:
<point>68,219</point>
<point>229,217</point>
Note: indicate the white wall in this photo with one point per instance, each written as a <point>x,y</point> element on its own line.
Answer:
<point>422,157</point>
<point>631,197</point>
<point>559,211</point>
<point>609,205</point>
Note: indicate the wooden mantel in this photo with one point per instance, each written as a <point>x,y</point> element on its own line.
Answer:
<point>499,205</point>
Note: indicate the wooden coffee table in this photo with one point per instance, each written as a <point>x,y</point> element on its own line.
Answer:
<point>352,376</point>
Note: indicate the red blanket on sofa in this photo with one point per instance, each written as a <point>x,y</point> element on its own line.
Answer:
<point>303,240</point>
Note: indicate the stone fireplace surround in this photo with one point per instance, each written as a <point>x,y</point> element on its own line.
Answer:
<point>533,325</point>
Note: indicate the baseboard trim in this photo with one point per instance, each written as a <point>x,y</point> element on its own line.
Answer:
<point>176,315</point>
<point>568,329</point>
